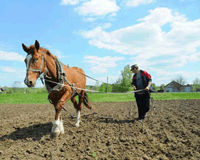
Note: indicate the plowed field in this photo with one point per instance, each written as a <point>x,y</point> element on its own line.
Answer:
<point>171,130</point>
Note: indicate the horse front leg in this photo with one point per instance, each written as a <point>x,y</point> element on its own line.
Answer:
<point>58,127</point>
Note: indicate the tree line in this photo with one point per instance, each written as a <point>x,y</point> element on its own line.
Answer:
<point>123,83</point>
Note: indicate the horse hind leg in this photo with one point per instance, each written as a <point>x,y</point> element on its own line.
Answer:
<point>61,127</point>
<point>78,119</point>
<point>78,110</point>
<point>82,98</point>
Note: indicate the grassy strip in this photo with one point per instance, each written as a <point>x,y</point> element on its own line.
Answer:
<point>24,98</point>
<point>170,96</point>
<point>130,97</point>
<point>93,97</point>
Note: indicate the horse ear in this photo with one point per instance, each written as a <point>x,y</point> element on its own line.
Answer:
<point>24,47</point>
<point>37,45</point>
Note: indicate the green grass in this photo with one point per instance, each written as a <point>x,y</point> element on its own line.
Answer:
<point>93,97</point>
<point>130,97</point>
<point>168,96</point>
<point>23,98</point>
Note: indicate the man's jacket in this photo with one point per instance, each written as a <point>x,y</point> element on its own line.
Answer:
<point>145,78</point>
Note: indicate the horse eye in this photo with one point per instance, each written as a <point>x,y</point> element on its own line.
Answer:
<point>36,60</point>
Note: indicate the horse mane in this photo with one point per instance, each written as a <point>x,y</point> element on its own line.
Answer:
<point>44,50</point>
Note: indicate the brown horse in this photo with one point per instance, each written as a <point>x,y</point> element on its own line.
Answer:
<point>62,82</point>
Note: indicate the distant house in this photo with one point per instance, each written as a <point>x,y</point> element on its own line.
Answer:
<point>198,89</point>
<point>187,88</point>
<point>176,87</point>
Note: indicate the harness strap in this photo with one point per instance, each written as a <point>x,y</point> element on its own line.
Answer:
<point>61,79</point>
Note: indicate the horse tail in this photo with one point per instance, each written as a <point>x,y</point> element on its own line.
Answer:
<point>86,101</point>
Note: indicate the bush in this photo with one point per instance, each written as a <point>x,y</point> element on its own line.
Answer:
<point>10,91</point>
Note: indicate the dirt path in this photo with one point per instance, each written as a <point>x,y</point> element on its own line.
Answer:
<point>171,130</point>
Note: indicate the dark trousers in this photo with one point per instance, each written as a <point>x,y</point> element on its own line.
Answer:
<point>143,104</point>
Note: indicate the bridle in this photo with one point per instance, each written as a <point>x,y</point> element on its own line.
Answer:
<point>37,70</point>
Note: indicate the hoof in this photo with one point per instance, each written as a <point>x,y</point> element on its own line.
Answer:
<point>54,135</point>
<point>77,125</point>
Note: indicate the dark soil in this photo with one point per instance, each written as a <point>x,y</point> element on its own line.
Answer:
<point>171,130</point>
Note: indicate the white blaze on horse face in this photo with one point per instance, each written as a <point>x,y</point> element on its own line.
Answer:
<point>78,118</point>
<point>28,58</point>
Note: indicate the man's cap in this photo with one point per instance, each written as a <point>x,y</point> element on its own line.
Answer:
<point>134,66</point>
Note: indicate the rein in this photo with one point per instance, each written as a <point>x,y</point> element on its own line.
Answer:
<point>62,75</point>
<point>70,86</point>
<point>136,91</point>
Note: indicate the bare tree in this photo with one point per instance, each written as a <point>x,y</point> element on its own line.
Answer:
<point>178,83</point>
<point>16,85</point>
<point>180,79</point>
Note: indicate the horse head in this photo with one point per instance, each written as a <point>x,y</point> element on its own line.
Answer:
<point>34,63</point>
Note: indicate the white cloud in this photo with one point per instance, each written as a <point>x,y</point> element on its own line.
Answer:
<point>106,25</point>
<point>113,15</point>
<point>135,3</point>
<point>91,10</point>
<point>101,64</point>
<point>12,73</point>
<point>89,19</point>
<point>111,79</point>
<point>9,69</point>
<point>165,77</point>
<point>159,16</point>
<point>56,52</point>
<point>10,56</point>
<point>147,39</point>
<point>97,7</point>
<point>69,2</point>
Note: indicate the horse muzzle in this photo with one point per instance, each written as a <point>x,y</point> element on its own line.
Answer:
<point>29,83</point>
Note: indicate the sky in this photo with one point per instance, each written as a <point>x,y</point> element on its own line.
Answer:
<point>103,36</point>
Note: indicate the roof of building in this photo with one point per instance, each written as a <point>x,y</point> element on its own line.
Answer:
<point>188,85</point>
<point>172,82</point>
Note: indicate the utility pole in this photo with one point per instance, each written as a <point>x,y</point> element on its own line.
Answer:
<point>107,86</point>
<point>25,89</point>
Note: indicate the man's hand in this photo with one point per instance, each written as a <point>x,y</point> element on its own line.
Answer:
<point>134,88</point>
<point>147,88</point>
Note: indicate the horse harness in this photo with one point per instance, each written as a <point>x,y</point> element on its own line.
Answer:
<point>61,78</point>
<point>37,70</point>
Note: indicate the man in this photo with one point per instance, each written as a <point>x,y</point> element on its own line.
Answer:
<point>141,81</point>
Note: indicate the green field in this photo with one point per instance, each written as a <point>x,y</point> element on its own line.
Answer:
<point>93,97</point>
